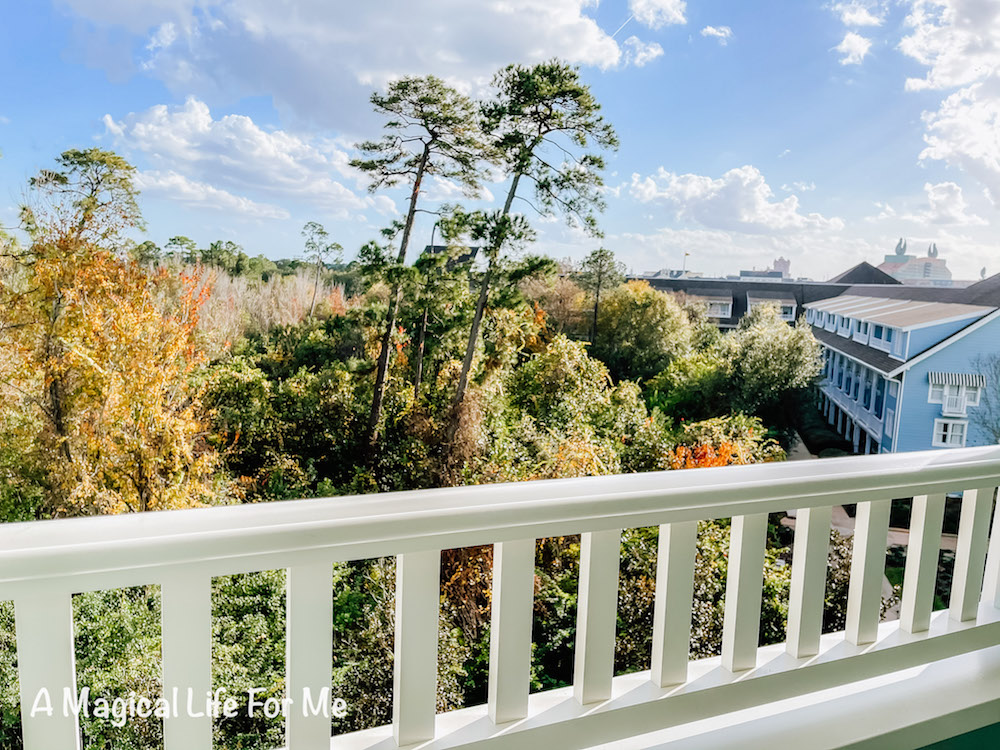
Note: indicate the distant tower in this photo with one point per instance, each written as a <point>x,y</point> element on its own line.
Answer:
<point>900,247</point>
<point>932,251</point>
<point>784,266</point>
<point>982,273</point>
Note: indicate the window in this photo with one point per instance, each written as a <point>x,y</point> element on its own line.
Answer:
<point>888,334</point>
<point>850,378</point>
<point>949,433</point>
<point>720,309</point>
<point>953,398</point>
<point>890,422</point>
<point>879,396</point>
<point>788,312</point>
<point>867,400</point>
<point>894,389</point>
<point>857,382</point>
<point>877,333</point>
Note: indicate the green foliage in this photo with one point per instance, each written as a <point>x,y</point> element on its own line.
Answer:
<point>642,331</point>
<point>763,368</point>
<point>90,196</point>
<point>118,652</point>
<point>772,360</point>
<point>10,697</point>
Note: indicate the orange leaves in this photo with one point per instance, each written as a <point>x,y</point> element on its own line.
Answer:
<point>703,456</point>
<point>108,362</point>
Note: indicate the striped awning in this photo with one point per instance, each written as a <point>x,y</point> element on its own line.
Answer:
<point>972,380</point>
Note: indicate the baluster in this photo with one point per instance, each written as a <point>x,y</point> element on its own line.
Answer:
<point>414,672</point>
<point>510,629</point>
<point>921,563</point>
<point>309,656</point>
<point>744,580</point>
<point>672,612</point>
<point>597,615</point>
<point>46,661</point>
<point>970,554</point>
<point>864,597</point>
<point>991,583</point>
<point>805,601</point>
<point>186,620</point>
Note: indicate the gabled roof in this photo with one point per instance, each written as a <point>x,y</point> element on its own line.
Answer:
<point>874,358</point>
<point>768,295</point>
<point>864,273</point>
<point>899,313</point>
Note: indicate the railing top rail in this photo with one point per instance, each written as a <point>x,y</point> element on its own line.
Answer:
<point>231,539</point>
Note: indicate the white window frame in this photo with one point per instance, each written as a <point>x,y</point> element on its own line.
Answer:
<point>890,422</point>
<point>727,307</point>
<point>966,396</point>
<point>940,424</point>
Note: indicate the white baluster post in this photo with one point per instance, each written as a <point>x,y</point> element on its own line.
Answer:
<point>46,667</point>
<point>186,620</point>
<point>597,615</point>
<point>309,656</point>
<point>510,629</point>
<point>744,580</point>
<point>991,582</point>
<point>414,673</point>
<point>864,597</point>
<point>970,554</point>
<point>672,610</point>
<point>921,563</point>
<point>805,601</point>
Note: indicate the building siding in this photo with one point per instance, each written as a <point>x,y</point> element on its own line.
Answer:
<point>917,426</point>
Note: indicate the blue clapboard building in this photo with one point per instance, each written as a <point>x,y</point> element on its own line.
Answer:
<point>900,364</point>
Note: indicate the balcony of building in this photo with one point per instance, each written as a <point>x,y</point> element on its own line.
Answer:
<point>925,677</point>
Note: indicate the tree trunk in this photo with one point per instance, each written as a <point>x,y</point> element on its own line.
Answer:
<point>312,305</point>
<point>382,368</point>
<point>419,374</point>
<point>470,349</point>
<point>597,302</point>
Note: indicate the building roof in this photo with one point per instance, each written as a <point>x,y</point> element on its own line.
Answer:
<point>771,295</point>
<point>864,273</point>
<point>899,313</point>
<point>877,360</point>
<point>711,296</point>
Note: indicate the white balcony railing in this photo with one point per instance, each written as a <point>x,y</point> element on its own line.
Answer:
<point>834,689</point>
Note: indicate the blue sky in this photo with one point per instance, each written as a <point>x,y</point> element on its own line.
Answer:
<point>819,131</point>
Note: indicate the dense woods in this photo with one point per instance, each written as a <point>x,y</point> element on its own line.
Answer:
<point>136,378</point>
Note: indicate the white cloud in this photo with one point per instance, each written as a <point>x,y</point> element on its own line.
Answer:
<point>657,13</point>
<point>320,60</point>
<point>438,189</point>
<point>854,48</point>
<point>816,255</point>
<point>176,187</point>
<point>233,153</point>
<point>740,200</point>
<point>860,14</point>
<point>958,40</point>
<point>4,120</point>
<point>784,153</point>
<point>946,205</point>
<point>965,132</point>
<point>639,53</point>
<point>802,187</point>
<point>722,33</point>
